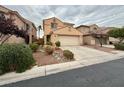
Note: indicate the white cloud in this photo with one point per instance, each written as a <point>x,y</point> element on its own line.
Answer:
<point>86,14</point>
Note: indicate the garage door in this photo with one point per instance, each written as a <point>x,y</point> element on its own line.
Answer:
<point>69,40</point>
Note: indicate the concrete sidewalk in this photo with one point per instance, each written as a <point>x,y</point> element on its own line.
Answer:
<point>55,68</point>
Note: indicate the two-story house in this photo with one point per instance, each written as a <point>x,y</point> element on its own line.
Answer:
<point>57,30</point>
<point>88,38</point>
<point>21,22</point>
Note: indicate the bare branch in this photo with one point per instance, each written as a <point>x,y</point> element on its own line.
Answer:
<point>6,39</point>
<point>2,37</point>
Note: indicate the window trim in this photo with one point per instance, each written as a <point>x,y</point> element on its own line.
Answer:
<point>54,25</point>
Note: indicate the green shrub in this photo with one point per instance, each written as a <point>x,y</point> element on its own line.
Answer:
<point>49,49</point>
<point>34,47</point>
<point>15,57</point>
<point>58,44</point>
<point>68,54</point>
<point>49,43</point>
<point>119,46</point>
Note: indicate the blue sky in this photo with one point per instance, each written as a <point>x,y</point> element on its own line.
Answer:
<point>103,15</point>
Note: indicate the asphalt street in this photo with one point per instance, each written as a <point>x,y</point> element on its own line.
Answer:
<point>109,74</point>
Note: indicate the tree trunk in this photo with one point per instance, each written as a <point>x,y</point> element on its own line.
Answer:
<point>100,41</point>
<point>2,37</point>
<point>39,33</point>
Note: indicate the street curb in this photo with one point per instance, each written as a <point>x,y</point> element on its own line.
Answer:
<point>52,69</point>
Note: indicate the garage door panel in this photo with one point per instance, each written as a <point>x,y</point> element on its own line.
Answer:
<point>69,40</point>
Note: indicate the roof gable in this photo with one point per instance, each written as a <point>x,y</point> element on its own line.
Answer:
<point>53,18</point>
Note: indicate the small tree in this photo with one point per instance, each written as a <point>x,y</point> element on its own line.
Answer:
<point>58,44</point>
<point>8,28</point>
<point>99,37</point>
<point>39,28</point>
<point>117,33</point>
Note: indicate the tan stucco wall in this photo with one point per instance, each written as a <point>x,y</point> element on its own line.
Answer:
<point>68,31</point>
<point>19,22</point>
<point>32,34</point>
<point>84,30</point>
<point>14,39</point>
<point>81,40</point>
<point>92,28</point>
<point>89,40</point>
<point>67,24</point>
<point>61,27</point>
<point>47,25</point>
<point>54,38</point>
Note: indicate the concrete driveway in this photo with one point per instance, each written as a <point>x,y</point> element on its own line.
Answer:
<point>84,53</point>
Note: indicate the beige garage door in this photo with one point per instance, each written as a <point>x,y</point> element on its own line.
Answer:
<point>69,40</point>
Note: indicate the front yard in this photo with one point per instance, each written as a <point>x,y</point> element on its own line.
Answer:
<point>80,53</point>
<point>42,58</point>
<point>21,57</point>
<point>48,54</point>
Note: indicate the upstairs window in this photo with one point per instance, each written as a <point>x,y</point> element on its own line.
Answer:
<point>95,28</point>
<point>54,26</point>
<point>27,27</point>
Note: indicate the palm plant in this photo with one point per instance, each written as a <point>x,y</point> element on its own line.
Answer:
<point>39,28</point>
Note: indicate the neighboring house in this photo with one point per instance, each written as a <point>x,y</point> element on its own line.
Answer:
<point>88,38</point>
<point>112,40</point>
<point>22,23</point>
<point>56,30</point>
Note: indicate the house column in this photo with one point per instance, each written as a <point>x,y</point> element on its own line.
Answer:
<point>45,39</point>
<point>30,37</point>
<point>30,34</point>
<point>108,41</point>
<point>81,39</point>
